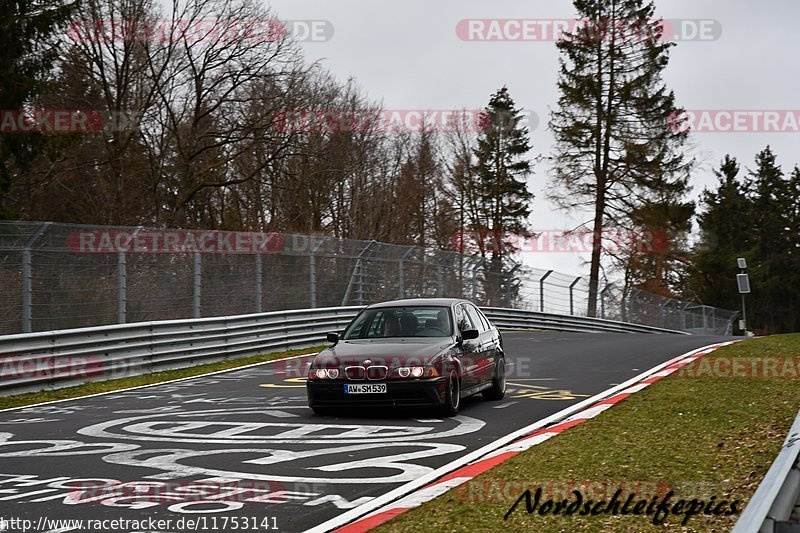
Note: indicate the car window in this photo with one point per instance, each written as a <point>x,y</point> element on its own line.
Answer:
<point>462,318</point>
<point>484,320</point>
<point>411,321</point>
<point>475,317</point>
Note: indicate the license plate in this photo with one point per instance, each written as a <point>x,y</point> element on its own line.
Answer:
<point>365,388</point>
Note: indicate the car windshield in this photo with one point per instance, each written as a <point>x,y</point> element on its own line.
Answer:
<point>413,321</point>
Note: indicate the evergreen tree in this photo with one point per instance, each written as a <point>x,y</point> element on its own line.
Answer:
<point>28,49</point>
<point>615,150</point>
<point>771,263</point>
<point>656,252</point>
<point>726,226</point>
<point>500,191</point>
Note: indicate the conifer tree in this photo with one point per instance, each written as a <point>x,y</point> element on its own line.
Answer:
<point>618,145</point>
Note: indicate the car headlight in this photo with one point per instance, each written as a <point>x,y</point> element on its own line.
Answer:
<point>324,373</point>
<point>417,372</point>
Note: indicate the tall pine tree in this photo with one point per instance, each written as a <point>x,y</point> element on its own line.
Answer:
<point>615,151</point>
<point>500,190</point>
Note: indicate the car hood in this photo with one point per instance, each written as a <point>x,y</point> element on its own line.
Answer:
<point>390,352</point>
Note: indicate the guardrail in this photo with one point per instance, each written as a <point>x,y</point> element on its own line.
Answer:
<point>57,359</point>
<point>520,319</point>
<point>770,508</point>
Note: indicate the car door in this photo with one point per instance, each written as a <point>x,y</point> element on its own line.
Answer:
<point>470,349</point>
<point>484,359</point>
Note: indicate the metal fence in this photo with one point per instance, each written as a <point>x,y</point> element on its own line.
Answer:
<point>62,276</point>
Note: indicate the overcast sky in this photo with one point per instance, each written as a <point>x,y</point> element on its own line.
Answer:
<point>408,55</point>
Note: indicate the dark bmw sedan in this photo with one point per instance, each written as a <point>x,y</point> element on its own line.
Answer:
<point>422,352</point>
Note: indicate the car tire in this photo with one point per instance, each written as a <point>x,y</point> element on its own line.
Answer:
<point>498,389</point>
<point>452,395</point>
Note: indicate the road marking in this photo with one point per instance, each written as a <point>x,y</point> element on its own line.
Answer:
<point>117,391</point>
<point>538,392</point>
<point>503,406</point>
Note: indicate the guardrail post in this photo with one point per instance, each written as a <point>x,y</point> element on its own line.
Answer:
<point>572,286</point>
<point>541,291</point>
<point>198,285</point>
<point>259,282</point>
<point>27,279</point>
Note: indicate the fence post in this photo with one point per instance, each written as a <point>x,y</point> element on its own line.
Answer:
<point>122,288</point>
<point>683,316</point>
<point>439,278</point>
<point>541,291</point>
<point>198,284</point>
<point>27,279</point>
<point>474,281</point>
<point>312,273</point>
<point>312,281</point>
<point>401,272</point>
<point>259,281</point>
<point>664,313</point>
<point>122,280</point>
<point>507,278</point>
<point>572,286</point>
<point>603,301</point>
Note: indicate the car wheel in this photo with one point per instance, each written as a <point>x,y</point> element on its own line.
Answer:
<point>498,388</point>
<point>452,396</point>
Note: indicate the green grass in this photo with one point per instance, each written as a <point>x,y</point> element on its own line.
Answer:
<point>702,437</point>
<point>86,389</point>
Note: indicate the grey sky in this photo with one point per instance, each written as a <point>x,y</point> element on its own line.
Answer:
<point>408,55</point>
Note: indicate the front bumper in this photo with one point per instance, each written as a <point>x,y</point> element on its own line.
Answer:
<point>412,393</point>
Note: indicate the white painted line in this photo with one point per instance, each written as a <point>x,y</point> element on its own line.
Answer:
<point>399,492</point>
<point>503,406</point>
<point>155,384</point>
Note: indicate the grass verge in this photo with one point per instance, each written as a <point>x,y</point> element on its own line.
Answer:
<point>709,430</point>
<point>19,400</point>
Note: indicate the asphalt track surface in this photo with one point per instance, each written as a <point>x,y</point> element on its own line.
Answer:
<point>241,450</point>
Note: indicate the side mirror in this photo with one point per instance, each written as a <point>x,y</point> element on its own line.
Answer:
<point>333,337</point>
<point>470,334</point>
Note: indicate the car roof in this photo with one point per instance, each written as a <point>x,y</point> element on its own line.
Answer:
<point>419,301</point>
